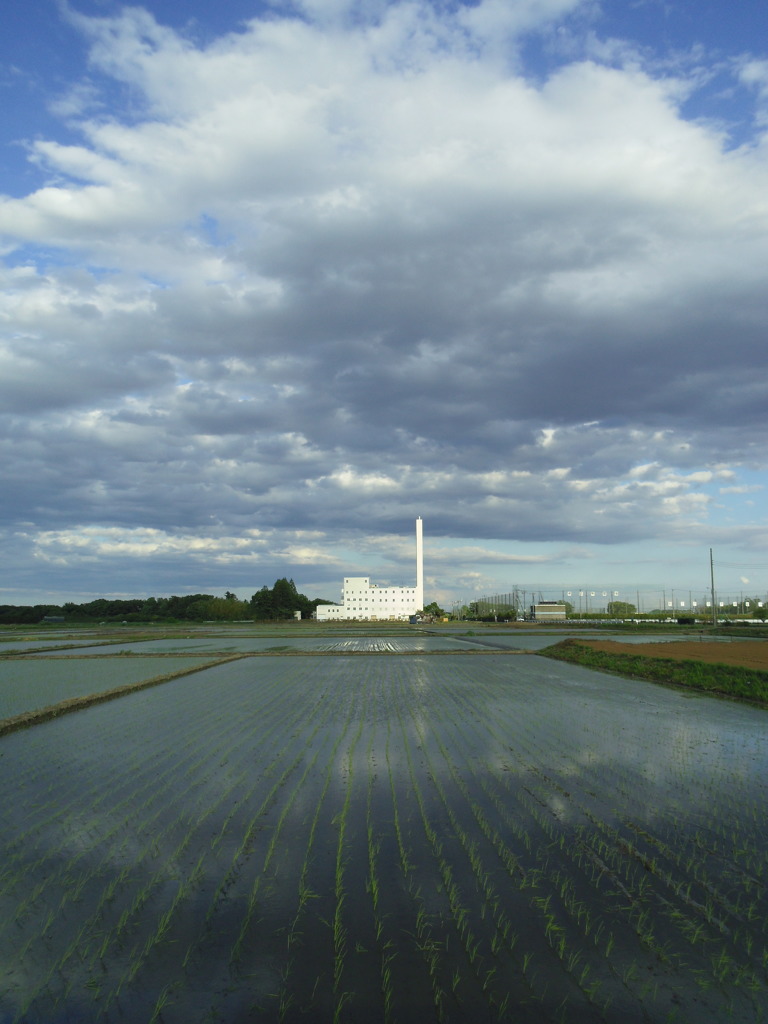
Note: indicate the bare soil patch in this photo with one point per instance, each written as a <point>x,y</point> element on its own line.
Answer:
<point>742,653</point>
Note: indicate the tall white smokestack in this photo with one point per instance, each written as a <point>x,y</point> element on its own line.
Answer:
<point>419,565</point>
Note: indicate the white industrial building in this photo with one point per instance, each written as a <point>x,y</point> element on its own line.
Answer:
<point>361,599</point>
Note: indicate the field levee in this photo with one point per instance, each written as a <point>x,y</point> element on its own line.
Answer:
<point>737,669</point>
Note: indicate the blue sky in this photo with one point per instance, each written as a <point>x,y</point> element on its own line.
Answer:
<point>277,278</point>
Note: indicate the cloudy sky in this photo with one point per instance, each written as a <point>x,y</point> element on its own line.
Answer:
<point>277,278</point>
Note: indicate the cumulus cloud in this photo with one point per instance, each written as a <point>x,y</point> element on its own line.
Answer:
<point>355,262</point>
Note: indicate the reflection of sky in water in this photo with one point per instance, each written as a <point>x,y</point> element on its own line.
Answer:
<point>267,748</point>
<point>414,642</point>
<point>537,641</point>
<point>25,645</point>
<point>29,684</point>
<point>258,644</point>
<point>661,746</point>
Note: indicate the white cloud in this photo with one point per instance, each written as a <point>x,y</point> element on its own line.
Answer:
<point>90,542</point>
<point>742,489</point>
<point>329,272</point>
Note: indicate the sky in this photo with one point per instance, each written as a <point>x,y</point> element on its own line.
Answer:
<point>277,278</point>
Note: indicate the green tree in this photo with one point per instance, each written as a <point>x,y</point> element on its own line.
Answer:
<point>620,609</point>
<point>262,604</point>
<point>282,601</point>
<point>286,598</point>
<point>226,609</point>
<point>189,607</point>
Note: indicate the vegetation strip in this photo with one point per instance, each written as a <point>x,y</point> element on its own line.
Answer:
<point>64,707</point>
<point>724,680</point>
<point>111,657</point>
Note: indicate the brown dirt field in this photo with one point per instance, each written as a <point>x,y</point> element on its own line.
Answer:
<point>744,653</point>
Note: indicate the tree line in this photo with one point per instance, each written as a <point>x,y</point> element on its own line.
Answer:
<point>281,601</point>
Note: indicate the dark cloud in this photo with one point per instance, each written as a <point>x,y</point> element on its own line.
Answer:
<point>323,277</point>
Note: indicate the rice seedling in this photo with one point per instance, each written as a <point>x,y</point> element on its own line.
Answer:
<point>507,865</point>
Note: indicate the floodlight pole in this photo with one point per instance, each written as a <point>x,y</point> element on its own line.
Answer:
<point>712,585</point>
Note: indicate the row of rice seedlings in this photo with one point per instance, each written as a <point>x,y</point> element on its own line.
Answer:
<point>71,884</point>
<point>152,790</point>
<point>713,921</point>
<point>305,892</point>
<point>632,890</point>
<point>236,951</point>
<point>406,866</point>
<point>386,947</point>
<point>151,809</point>
<point>298,714</point>
<point>39,768</point>
<point>570,955</point>
<point>401,971</point>
<point>715,907</point>
<point>431,949</point>
<point>692,791</point>
<point>726,847</point>
<point>139,955</point>
<point>600,870</point>
<point>55,815</point>
<point>99,945</point>
<point>646,933</point>
<point>387,938</point>
<point>661,860</point>
<point>398,970</point>
<point>434,950</point>
<point>343,982</point>
<point>290,987</point>
<point>140,898</point>
<point>553,932</point>
<point>291,716</point>
<point>60,810</point>
<point>315,966</point>
<point>186,887</point>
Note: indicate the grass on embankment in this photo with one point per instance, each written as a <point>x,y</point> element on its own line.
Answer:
<point>724,680</point>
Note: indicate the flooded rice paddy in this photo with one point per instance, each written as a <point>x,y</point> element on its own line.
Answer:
<point>281,645</point>
<point>29,685</point>
<point>389,838</point>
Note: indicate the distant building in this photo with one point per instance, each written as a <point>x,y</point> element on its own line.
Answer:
<point>361,599</point>
<point>547,610</point>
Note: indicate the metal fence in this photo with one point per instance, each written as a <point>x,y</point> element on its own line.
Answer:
<point>624,601</point>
